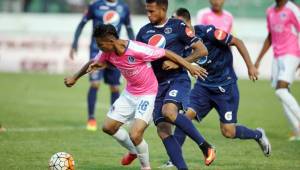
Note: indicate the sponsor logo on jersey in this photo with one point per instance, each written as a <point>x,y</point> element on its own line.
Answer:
<point>157,40</point>
<point>111,17</point>
<point>150,31</point>
<point>102,7</point>
<point>220,34</point>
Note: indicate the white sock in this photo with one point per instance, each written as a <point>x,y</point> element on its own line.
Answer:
<point>292,119</point>
<point>143,154</point>
<point>123,138</point>
<point>288,100</point>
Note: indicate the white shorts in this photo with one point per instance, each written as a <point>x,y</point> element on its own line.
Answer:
<point>284,68</point>
<point>128,107</point>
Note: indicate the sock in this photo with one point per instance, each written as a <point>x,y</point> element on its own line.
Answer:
<point>292,119</point>
<point>92,97</point>
<point>179,135</point>
<point>286,97</point>
<point>188,128</point>
<point>143,153</point>
<point>243,132</point>
<point>174,152</point>
<point>123,138</point>
<point>113,97</point>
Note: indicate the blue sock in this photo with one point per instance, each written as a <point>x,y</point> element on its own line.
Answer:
<point>180,136</point>
<point>113,97</point>
<point>174,152</point>
<point>243,132</point>
<point>92,97</point>
<point>188,128</point>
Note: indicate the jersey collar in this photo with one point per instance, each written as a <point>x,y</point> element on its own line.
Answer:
<point>111,3</point>
<point>162,25</point>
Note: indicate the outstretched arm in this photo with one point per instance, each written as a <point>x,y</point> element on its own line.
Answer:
<point>265,48</point>
<point>252,71</point>
<point>195,71</point>
<point>88,67</point>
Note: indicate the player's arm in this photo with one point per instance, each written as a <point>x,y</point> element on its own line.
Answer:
<point>195,71</point>
<point>90,66</point>
<point>128,25</point>
<point>199,50</point>
<point>252,71</point>
<point>267,44</point>
<point>87,16</point>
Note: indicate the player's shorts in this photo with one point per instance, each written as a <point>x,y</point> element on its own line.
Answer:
<point>111,75</point>
<point>128,107</point>
<point>225,99</point>
<point>175,91</point>
<point>284,68</point>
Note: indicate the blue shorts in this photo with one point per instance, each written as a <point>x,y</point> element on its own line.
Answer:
<point>111,74</point>
<point>225,99</point>
<point>174,91</point>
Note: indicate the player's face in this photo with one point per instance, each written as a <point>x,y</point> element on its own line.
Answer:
<point>155,13</point>
<point>216,5</point>
<point>105,44</point>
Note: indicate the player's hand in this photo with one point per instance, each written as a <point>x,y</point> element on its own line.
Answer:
<point>168,65</point>
<point>96,66</point>
<point>69,81</point>
<point>253,73</point>
<point>72,53</point>
<point>198,72</point>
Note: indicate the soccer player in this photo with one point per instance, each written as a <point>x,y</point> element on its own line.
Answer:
<point>219,90</point>
<point>174,85</point>
<point>216,15</point>
<point>283,23</point>
<point>112,12</point>
<point>137,101</point>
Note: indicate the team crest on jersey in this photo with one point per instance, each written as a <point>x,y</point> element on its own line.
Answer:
<point>157,40</point>
<point>111,17</point>
<point>283,16</point>
<point>120,8</point>
<point>189,32</point>
<point>131,59</point>
<point>168,30</point>
<point>220,34</point>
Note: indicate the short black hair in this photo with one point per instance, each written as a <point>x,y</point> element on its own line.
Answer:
<point>159,2</point>
<point>104,30</point>
<point>184,13</point>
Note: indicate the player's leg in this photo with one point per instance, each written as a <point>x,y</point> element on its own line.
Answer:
<point>287,67</point>
<point>164,130</point>
<point>177,99</point>
<point>295,136</point>
<point>120,112</point>
<point>226,102</point>
<point>112,77</point>
<point>95,78</point>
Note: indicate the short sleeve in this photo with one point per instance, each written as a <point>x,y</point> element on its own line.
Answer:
<point>217,35</point>
<point>146,52</point>
<point>186,35</point>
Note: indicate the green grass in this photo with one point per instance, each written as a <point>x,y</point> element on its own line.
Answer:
<point>43,117</point>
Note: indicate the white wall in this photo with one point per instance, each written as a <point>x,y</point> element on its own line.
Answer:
<point>35,42</point>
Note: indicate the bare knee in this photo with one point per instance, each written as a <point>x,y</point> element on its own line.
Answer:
<point>164,130</point>
<point>114,89</point>
<point>95,84</point>
<point>136,137</point>
<point>170,111</point>
<point>228,131</point>
<point>109,129</point>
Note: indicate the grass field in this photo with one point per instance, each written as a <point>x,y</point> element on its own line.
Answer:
<point>43,117</point>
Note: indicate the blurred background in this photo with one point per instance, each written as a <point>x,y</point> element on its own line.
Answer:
<point>36,35</point>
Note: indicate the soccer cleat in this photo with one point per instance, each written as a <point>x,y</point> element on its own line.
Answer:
<point>167,164</point>
<point>91,125</point>
<point>210,157</point>
<point>128,159</point>
<point>264,142</point>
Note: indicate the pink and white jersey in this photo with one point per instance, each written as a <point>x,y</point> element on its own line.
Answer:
<point>284,25</point>
<point>207,17</point>
<point>135,66</point>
